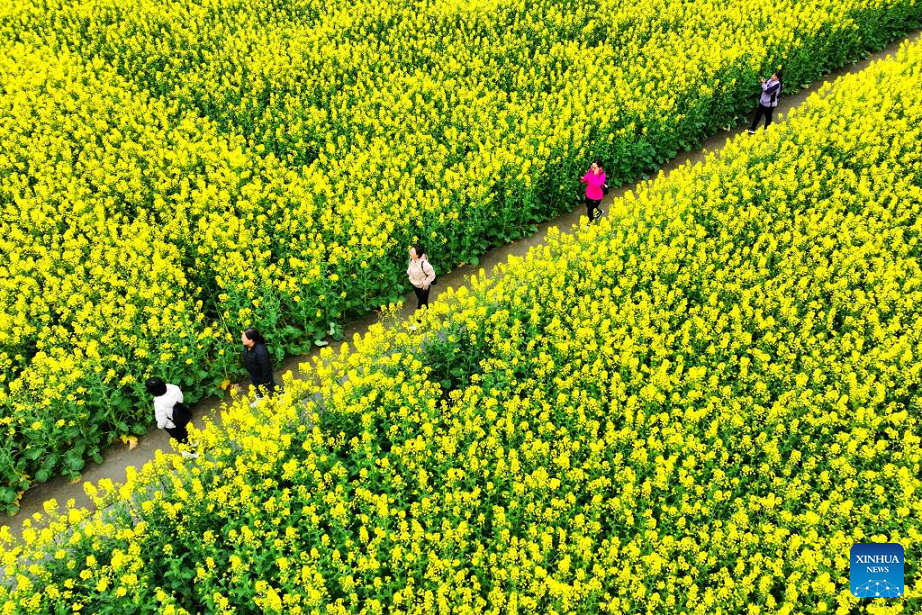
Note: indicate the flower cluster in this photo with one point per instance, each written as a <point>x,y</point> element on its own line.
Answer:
<point>697,406</point>
<point>171,173</point>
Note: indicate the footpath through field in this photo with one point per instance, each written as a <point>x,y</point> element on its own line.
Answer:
<point>118,456</point>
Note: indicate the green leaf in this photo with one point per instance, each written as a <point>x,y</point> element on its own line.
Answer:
<point>73,462</point>
<point>7,495</point>
<point>51,461</point>
<point>33,453</point>
<point>139,430</point>
<point>474,261</point>
<point>43,475</point>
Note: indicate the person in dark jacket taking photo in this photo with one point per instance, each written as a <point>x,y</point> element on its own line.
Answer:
<point>771,92</point>
<point>258,363</point>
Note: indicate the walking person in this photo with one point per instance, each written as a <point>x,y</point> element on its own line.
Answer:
<point>771,92</point>
<point>422,276</point>
<point>171,413</point>
<point>595,183</point>
<point>258,363</point>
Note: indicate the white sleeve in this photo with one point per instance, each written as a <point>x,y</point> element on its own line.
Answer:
<point>163,406</point>
<point>162,412</point>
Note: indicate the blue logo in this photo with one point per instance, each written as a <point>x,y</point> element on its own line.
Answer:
<point>877,570</point>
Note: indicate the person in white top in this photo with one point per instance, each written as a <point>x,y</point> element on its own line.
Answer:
<point>170,417</point>
<point>421,274</point>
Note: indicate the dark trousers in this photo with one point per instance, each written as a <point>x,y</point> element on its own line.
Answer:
<point>760,112</point>
<point>180,434</point>
<point>422,297</point>
<point>591,206</point>
<point>263,387</point>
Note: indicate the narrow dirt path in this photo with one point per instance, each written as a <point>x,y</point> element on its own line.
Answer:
<point>118,457</point>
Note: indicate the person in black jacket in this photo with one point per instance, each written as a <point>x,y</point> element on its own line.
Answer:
<point>257,362</point>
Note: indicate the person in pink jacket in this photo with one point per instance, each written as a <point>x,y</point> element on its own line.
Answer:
<point>595,181</point>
